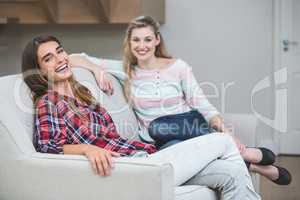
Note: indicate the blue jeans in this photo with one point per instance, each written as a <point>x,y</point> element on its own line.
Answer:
<point>171,129</point>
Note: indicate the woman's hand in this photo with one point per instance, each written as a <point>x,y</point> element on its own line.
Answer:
<point>100,159</point>
<point>217,123</point>
<point>103,81</point>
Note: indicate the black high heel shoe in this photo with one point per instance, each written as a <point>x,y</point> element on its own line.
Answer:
<point>284,178</point>
<point>268,157</point>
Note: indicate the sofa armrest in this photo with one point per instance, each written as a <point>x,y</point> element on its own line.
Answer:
<point>243,126</point>
<point>49,177</point>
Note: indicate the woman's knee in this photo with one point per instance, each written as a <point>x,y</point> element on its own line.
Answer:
<point>153,129</point>
<point>162,131</point>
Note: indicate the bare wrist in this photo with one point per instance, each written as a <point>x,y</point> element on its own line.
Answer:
<point>97,70</point>
<point>84,148</point>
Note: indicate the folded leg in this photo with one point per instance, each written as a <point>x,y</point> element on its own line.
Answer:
<point>230,179</point>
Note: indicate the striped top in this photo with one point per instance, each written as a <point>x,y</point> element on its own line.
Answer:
<point>160,92</point>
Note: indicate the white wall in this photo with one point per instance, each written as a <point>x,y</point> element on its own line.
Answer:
<point>224,40</point>
<point>98,40</point>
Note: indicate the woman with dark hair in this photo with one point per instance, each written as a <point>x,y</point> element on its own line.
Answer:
<point>69,121</point>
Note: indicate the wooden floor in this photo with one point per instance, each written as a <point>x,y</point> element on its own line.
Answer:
<point>271,191</point>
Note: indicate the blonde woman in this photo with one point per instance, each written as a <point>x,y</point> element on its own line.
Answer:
<point>166,97</point>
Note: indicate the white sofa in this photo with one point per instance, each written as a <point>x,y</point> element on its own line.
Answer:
<point>28,175</point>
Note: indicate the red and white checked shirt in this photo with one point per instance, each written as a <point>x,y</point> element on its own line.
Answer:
<point>57,123</point>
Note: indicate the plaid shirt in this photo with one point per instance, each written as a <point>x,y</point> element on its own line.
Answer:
<point>64,120</point>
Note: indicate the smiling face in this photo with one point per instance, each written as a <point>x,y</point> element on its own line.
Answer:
<point>53,61</point>
<point>143,43</point>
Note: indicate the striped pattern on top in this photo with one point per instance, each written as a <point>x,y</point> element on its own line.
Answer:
<point>160,92</point>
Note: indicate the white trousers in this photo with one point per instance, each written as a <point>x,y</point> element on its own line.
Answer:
<point>211,160</point>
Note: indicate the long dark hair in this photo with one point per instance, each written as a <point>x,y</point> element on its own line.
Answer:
<point>38,83</point>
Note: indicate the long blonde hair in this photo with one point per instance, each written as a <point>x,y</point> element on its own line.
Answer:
<point>129,60</point>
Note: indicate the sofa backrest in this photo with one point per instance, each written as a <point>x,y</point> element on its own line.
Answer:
<point>122,114</point>
<point>17,113</point>
<point>16,118</point>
